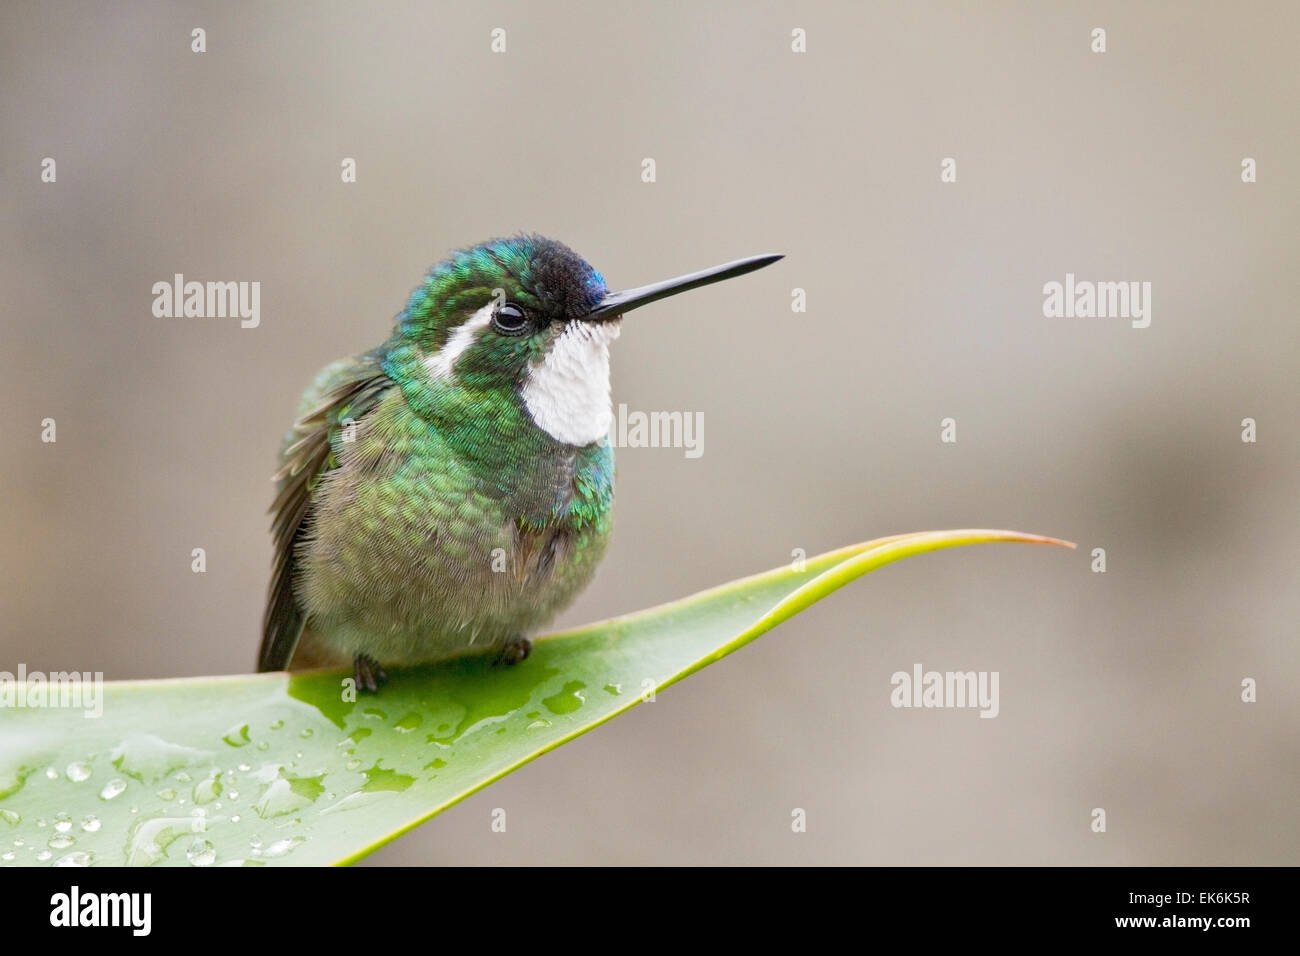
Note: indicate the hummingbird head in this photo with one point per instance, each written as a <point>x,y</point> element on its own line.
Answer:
<point>524,325</point>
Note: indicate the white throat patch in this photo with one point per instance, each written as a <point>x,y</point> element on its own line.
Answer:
<point>567,392</point>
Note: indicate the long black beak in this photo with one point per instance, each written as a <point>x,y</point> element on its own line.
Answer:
<point>616,303</point>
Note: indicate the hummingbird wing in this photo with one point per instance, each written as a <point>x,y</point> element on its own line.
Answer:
<point>346,390</point>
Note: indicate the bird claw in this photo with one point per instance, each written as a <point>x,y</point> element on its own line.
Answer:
<point>514,651</point>
<point>369,675</point>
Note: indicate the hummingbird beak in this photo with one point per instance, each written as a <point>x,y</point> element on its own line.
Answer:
<point>615,304</point>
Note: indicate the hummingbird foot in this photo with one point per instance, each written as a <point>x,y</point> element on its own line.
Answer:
<point>514,651</point>
<point>369,675</point>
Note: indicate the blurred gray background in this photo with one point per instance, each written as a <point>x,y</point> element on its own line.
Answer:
<point>1118,690</point>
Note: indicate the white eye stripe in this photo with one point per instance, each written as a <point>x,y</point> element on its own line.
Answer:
<point>442,362</point>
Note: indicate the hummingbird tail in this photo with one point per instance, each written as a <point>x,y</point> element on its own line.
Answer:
<point>280,631</point>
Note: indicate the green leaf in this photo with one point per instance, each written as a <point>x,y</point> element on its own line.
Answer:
<point>270,769</point>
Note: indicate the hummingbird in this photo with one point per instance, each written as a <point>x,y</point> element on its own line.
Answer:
<point>449,492</point>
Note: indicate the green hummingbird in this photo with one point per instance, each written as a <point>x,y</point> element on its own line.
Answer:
<point>450,491</point>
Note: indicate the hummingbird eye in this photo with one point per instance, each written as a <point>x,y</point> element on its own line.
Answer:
<point>510,319</point>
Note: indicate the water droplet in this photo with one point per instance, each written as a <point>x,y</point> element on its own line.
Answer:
<point>281,847</point>
<point>7,855</point>
<point>379,782</point>
<point>352,765</point>
<point>167,793</point>
<point>287,794</point>
<point>380,778</point>
<point>112,789</point>
<point>244,767</point>
<point>183,777</point>
<point>235,818</point>
<point>63,823</point>
<point>76,858</point>
<point>148,758</point>
<point>11,817</point>
<point>539,724</point>
<point>61,842</point>
<point>51,773</point>
<point>78,772</point>
<point>236,736</point>
<point>263,745</point>
<point>408,722</point>
<point>19,842</point>
<point>18,761</point>
<point>91,823</point>
<point>207,789</point>
<point>567,700</point>
<point>277,724</point>
<point>148,839</point>
<point>201,853</point>
<point>44,855</point>
<point>306,732</point>
<point>232,795</point>
<point>614,689</point>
